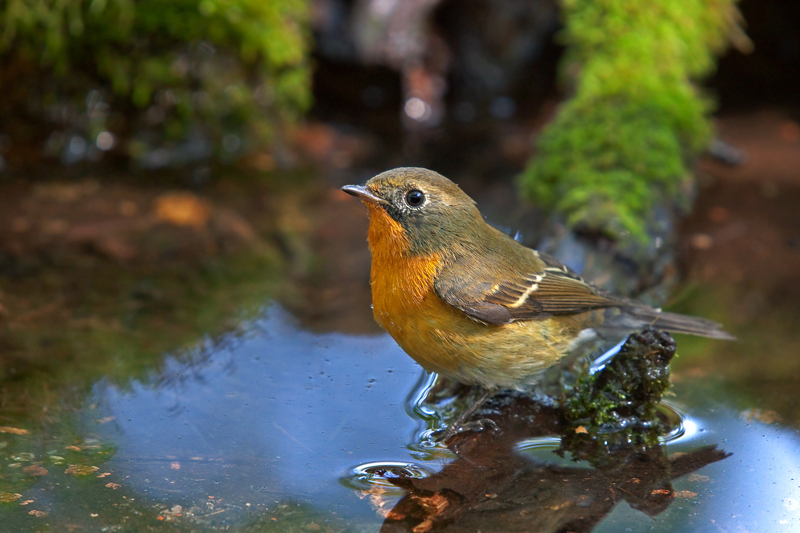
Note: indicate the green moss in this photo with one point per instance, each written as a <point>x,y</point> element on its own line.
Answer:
<point>617,407</point>
<point>622,142</point>
<point>220,66</point>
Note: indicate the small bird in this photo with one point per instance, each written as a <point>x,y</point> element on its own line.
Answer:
<point>469,302</point>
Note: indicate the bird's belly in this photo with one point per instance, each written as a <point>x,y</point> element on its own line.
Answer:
<point>444,340</point>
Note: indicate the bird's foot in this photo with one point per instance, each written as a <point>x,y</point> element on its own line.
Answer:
<point>481,424</point>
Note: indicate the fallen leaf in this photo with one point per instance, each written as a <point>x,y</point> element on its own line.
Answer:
<point>6,497</point>
<point>34,512</point>
<point>13,431</point>
<point>81,470</point>
<point>581,429</point>
<point>765,416</point>
<point>685,494</point>
<point>175,466</point>
<point>114,486</point>
<point>35,470</point>
<point>73,448</point>
<point>182,209</point>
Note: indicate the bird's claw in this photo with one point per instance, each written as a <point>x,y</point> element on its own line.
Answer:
<point>481,424</point>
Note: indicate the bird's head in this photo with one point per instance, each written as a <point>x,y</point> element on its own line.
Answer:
<point>428,210</point>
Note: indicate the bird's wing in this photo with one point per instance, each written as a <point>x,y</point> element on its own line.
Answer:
<point>552,290</point>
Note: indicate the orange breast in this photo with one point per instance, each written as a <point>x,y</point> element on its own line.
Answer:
<point>403,300</point>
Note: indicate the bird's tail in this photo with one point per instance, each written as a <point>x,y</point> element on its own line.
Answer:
<point>675,323</point>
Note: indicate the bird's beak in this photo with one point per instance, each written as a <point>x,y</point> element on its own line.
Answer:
<point>363,194</point>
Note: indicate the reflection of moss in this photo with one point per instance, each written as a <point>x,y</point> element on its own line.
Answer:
<point>623,140</point>
<point>119,322</point>
<point>76,319</point>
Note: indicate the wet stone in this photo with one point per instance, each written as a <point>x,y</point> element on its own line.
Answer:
<point>618,405</point>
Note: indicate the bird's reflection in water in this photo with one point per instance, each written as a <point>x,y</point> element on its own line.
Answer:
<point>490,486</point>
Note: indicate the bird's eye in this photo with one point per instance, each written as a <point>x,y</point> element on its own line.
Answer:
<point>415,198</point>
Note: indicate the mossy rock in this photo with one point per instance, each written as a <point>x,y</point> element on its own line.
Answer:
<point>625,141</point>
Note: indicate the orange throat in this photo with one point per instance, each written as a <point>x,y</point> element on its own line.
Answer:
<point>402,283</point>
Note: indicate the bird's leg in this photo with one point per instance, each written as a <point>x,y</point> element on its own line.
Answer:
<point>459,425</point>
